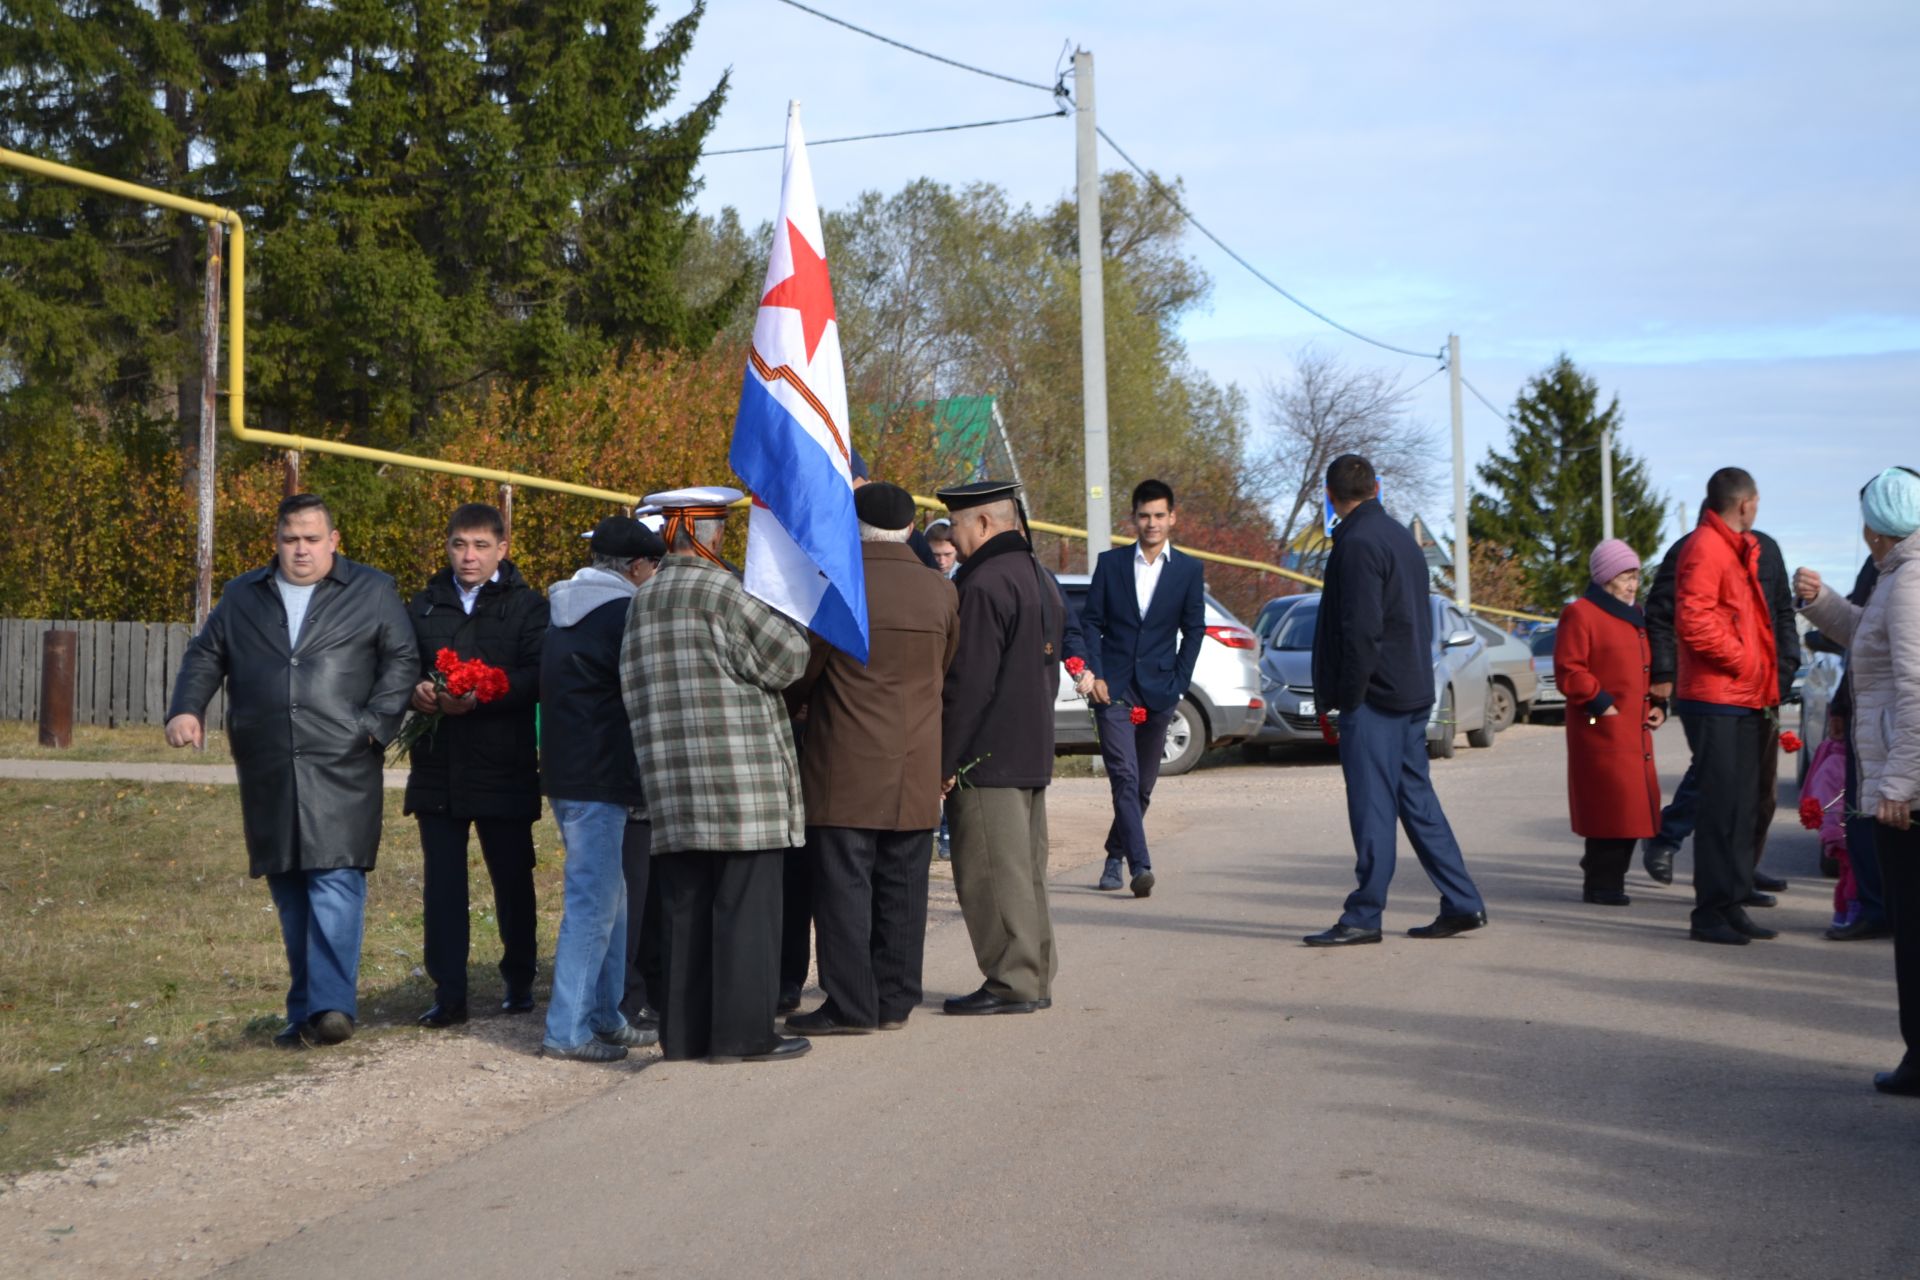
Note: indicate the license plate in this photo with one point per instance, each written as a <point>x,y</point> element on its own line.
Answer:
<point>1306,706</point>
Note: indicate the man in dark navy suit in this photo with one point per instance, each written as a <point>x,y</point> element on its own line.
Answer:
<point>1373,663</point>
<point>1144,622</point>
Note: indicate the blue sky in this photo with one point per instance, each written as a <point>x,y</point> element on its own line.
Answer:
<point>1710,206</point>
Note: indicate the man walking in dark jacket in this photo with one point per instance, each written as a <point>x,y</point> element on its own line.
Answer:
<point>593,781</point>
<point>317,658</point>
<point>1677,819</point>
<point>1145,620</point>
<point>996,752</point>
<point>479,769</point>
<point>1373,663</point>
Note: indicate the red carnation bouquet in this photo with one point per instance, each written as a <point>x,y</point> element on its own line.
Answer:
<point>1135,715</point>
<point>456,677</point>
<point>1791,742</point>
<point>1812,812</point>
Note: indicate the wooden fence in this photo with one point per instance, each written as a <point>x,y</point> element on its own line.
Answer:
<point>124,673</point>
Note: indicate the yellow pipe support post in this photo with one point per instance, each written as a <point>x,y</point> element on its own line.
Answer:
<point>237,366</point>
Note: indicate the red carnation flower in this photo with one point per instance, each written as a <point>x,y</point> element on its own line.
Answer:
<point>1075,666</point>
<point>1138,715</point>
<point>1329,732</point>
<point>446,661</point>
<point>1812,813</point>
<point>1790,742</point>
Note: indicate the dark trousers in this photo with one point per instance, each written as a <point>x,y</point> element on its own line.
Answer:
<point>507,846</point>
<point>1605,864</point>
<point>796,918</point>
<point>870,914</point>
<point>1677,820</point>
<point>1862,856</point>
<point>1132,755</point>
<point>643,918</point>
<point>1900,875</point>
<point>1383,756</point>
<point>1726,760</point>
<point>721,913</point>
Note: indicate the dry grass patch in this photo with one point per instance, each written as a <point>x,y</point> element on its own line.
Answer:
<point>141,970</point>
<point>132,744</point>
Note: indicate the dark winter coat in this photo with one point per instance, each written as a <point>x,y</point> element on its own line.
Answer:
<point>997,705</point>
<point>586,740</point>
<point>307,723</point>
<point>1374,641</point>
<point>1774,581</point>
<point>1601,659</point>
<point>483,764</point>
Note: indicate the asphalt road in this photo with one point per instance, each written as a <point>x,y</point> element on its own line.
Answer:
<point>1572,1092</point>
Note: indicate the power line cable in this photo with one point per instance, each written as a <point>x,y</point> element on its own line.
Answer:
<point>901,44</point>
<point>1504,417</point>
<point>897,133</point>
<point>1252,270</point>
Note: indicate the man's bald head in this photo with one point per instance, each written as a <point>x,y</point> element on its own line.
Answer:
<point>975,525</point>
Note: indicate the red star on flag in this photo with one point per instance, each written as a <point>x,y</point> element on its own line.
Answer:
<point>807,290</point>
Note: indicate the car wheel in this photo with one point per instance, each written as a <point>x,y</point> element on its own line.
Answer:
<point>1483,736</point>
<point>1441,748</point>
<point>1186,740</point>
<point>1502,708</point>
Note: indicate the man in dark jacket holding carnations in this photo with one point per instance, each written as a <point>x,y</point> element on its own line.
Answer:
<point>479,768</point>
<point>1727,684</point>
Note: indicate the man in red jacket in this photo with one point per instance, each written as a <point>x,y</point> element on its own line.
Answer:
<point>1727,684</point>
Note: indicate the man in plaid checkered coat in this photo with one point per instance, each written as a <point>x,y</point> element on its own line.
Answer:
<point>702,665</point>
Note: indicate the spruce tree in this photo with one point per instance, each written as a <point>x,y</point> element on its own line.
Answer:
<point>1541,499</point>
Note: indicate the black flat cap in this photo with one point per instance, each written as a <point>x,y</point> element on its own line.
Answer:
<point>626,538</point>
<point>978,494</point>
<point>883,505</point>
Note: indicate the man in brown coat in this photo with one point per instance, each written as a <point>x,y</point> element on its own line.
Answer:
<point>871,777</point>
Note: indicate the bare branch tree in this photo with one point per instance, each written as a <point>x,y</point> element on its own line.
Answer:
<point>1328,408</point>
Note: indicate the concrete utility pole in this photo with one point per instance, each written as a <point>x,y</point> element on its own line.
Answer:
<point>1093,311</point>
<point>1462,547</point>
<point>1606,482</point>
<point>209,385</point>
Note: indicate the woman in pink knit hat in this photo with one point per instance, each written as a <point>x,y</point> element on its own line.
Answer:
<point>1601,662</point>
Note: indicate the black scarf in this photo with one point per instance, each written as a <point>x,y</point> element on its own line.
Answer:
<point>1628,613</point>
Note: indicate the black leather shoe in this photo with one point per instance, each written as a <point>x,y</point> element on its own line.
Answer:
<point>1656,859</point>
<point>646,1017</point>
<point>789,1000</point>
<point>893,1024</point>
<point>1741,922</point>
<point>1772,884</point>
<point>1342,935</point>
<point>1759,899</point>
<point>822,1023</point>
<point>290,1036</point>
<point>1718,932</point>
<point>517,1000</point>
<point>1044,1002</point>
<point>1142,884</point>
<point>984,1001</point>
<point>1903,1080</point>
<point>1447,926</point>
<point>784,1049</point>
<point>444,1015</point>
<point>1606,898</point>
<point>1859,931</point>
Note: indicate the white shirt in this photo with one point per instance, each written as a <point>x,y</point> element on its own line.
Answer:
<point>1146,575</point>
<point>468,597</point>
<point>295,599</point>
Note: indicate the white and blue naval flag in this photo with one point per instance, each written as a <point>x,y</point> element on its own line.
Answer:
<point>791,441</point>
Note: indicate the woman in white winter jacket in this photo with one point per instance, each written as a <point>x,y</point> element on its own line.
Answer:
<point>1884,640</point>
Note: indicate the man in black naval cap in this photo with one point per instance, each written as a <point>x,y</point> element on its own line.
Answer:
<point>997,748</point>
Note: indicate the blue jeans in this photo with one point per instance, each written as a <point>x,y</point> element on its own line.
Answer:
<point>322,914</point>
<point>1861,854</point>
<point>1383,755</point>
<point>590,959</point>
<point>1132,755</point>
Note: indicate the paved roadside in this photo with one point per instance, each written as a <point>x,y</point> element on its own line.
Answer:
<point>1573,1092</point>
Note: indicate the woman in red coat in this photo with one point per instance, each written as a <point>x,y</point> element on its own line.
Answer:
<point>1601,662</point>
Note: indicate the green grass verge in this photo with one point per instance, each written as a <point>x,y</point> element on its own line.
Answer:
<point>141,969</point>
<point>134,744</point>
